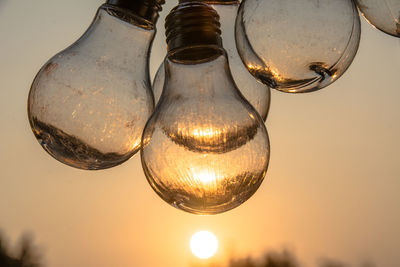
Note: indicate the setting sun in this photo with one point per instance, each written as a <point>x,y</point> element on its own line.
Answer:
<point>203,244</point>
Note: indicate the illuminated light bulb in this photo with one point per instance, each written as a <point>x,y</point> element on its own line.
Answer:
<point>255,92</point>
<point>297,46</point>
<point>88,104</point>
<point>205,148</point>
<point>382,14</point>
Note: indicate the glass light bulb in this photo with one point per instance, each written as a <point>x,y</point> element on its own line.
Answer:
<point>382,14</point>
<point>88,104</point>
<point>205,148</point>
<point>297,46</point>
<point>257,93</point>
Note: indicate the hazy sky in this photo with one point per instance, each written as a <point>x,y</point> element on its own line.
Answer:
<point>332,188</point>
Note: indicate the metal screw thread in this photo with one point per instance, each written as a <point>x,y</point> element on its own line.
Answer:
<point>192,24</point>
<point>146,9</point>
<point>214,2</point>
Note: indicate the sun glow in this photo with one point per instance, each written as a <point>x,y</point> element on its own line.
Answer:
<point>203,244</point>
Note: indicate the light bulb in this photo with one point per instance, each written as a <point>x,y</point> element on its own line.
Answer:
<point>382,14</point>
<point>257,93</point>
<point>297,46</point>
<point>88,104</point>
<point>205,148</point>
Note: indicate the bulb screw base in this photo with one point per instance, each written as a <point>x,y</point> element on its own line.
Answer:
<point>214,2</point>
<point>146,9</point>
<point>193,31</point>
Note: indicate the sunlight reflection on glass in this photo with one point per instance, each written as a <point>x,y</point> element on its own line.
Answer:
<point>204,176</point>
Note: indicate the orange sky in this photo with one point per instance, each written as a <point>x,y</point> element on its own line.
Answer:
<point>331,189</point>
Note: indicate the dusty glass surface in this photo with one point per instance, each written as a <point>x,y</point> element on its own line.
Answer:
<point>382,14</point>
<point>297,46</point>
<point>89,103</point>
<point>205,148</point>
<point>257,93</point>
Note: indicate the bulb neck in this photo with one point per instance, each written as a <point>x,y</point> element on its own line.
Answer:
<point>214,2</point>
<point>145,9</point>
<point>193,33</point>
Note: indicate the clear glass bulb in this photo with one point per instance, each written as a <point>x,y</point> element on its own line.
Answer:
<point>205,148</point>
<point>88,104</point>
<point>257,93</point>
<point>382,14</point>
<point>297,46</point>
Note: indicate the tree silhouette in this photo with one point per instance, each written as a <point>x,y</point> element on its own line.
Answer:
<point>26,254</point>
<point>284,259</point>
<point>270,259</point>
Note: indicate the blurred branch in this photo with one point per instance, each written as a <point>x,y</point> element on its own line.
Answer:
<point>331,263</point>
<point>25,256</point>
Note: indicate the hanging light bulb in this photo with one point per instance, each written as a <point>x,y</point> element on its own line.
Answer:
<point>88,104</point>
<point>297,46</point>
<point>255,92</point>
<point>382,14</point>
<point>205,149</point>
